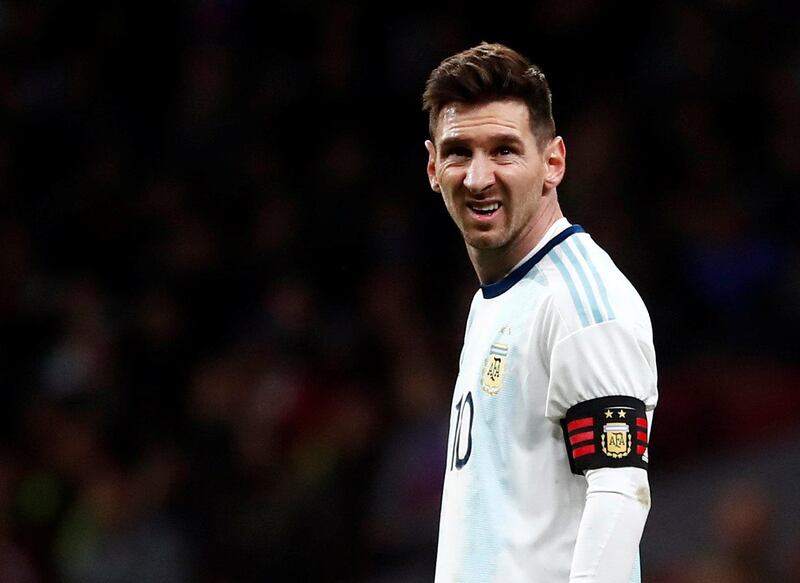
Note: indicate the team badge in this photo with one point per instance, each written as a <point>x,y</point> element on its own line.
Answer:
<point>616,437</point>
<point>495,368</point>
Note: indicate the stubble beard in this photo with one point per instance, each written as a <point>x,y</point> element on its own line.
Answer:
<point>491,247</point>
<point>484,243</point>
<point>499,243</point>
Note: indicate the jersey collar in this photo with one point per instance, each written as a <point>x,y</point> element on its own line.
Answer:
<point>492,290</point>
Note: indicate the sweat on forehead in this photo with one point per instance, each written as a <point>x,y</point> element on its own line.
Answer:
<point>500,116</point>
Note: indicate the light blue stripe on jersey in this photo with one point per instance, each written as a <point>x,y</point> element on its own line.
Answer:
<point>572,290</point>
<point>597,279</point>
<point>636,573</point>
<point>598,317</point>
<point>488,497</point>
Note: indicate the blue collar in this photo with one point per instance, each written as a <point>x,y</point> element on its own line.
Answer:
<point>492,290</point>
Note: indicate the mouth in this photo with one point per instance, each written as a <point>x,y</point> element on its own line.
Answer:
<point>484,210</point>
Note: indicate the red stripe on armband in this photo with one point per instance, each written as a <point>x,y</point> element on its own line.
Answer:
<point>641,422</point>
<point>579,424</point>
<point>640,449</point>
<point>578,437</point>
<point>582,451</point>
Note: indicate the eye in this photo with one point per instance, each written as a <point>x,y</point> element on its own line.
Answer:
<point>457,152</point>
<point>505,150</point>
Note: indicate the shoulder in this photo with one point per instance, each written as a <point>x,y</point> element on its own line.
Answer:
<point>586,288</point>
<point>475,308</point>
<point>600,342</point>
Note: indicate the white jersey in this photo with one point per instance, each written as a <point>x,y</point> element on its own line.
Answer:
<point>564,327</point>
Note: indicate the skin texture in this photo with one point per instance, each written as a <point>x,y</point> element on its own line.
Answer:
<point>485,154</point>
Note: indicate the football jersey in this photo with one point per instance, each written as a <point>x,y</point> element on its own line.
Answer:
<point>563,327</point>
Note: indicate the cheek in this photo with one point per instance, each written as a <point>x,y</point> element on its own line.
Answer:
<point>450,174</point>
<point>448,188</point>
<point>449,204</point>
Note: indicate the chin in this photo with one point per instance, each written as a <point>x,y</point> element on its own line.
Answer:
<point>484,241</point>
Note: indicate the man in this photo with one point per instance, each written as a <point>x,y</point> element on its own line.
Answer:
<point>546,477</point>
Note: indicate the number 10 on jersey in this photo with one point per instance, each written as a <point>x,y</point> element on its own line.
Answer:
<point>460,457</point>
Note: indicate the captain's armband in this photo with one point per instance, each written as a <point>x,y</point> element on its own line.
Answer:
<point>608,432</point>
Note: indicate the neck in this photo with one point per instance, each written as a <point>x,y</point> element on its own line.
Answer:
<point>492,265</point>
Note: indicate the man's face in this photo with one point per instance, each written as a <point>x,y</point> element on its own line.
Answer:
<point>490,172</point>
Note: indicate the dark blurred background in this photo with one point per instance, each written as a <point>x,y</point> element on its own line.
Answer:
<point>231,309</point>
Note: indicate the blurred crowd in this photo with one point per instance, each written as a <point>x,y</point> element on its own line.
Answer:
<point>231,310</point>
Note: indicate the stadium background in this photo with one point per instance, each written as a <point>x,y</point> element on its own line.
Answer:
<point>230,308</point>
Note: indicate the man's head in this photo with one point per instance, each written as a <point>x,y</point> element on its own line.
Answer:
<point>493,153</point>
<point>490,72</point>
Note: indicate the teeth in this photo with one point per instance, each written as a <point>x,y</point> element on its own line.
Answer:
<point>487,208</point>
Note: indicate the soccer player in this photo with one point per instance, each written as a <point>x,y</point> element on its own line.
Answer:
<point>546,477</point>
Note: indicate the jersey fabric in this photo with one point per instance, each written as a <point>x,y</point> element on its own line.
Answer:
<point>564,327</point>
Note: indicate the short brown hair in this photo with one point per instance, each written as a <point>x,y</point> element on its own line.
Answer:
<point>490,72</point>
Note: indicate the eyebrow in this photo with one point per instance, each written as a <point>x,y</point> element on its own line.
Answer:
<point>498,138</point>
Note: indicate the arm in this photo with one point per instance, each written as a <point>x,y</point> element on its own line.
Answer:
<point>605,403</point>
<point>617,503</point>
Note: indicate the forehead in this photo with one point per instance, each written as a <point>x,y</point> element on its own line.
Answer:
<point>464,121</point>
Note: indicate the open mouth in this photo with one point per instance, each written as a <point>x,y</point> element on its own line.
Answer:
<point>484,209</point>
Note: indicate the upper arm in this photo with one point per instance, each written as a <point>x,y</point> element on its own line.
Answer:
<point>602,389</point>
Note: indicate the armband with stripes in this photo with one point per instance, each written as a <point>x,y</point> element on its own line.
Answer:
<point>608,432</point>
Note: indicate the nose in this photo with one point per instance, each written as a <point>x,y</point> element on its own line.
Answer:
<point>480,174</point>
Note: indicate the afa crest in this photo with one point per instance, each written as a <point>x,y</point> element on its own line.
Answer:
<point>616,437</point>
<point>494,369</point>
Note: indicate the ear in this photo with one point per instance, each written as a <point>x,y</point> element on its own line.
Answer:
<point>434,182</point>
<point>555,161</point>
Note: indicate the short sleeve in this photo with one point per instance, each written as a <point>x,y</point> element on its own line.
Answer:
<point>614,358</point>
